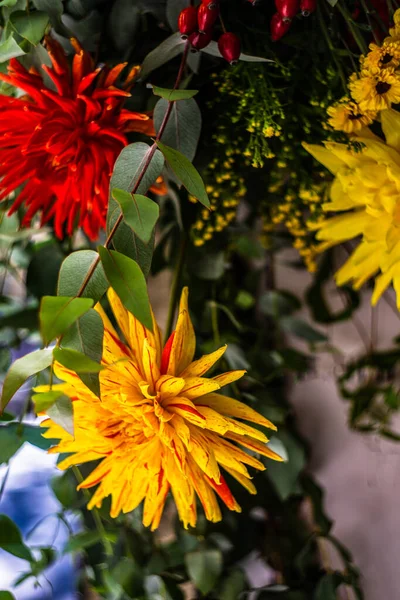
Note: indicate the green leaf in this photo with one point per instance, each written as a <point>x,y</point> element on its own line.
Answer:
<point>124,21</point>
<point>33,435</point>
<point>40,281</point>
<point>303,330</point>
<point>173,95</point>
<point>82,540</point>
<point>43,400</point>
<point>183,128</point>
<point>73,272</point>
<point>31,26</point>
<point>186,173</point>
<point>21,370</point>
<point>11,539</point>
<point>165,52</point>
<point>58,313</point>
<point>327,586</point>
<point>278,303</point>
<point>54,8</point>
<point>233,585</point>
<point>285,475</point>
<point>10,443</point>
<point>128,168</point>
<point>8,2</point>
<point>127,279</point>
<point>9,49</point>
<point>6,595</point>
<point>129,576</point>
<point>64,489</point>
<point>76,361</point>
<point>86,336</point>
<point>204,568</point>
<point>140,213</point>
<point>61,412</point>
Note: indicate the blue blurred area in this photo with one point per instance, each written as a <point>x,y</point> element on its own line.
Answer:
<point>29,501</point>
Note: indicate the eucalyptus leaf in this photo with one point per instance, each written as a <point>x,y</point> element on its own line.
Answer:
<point>76,361</point>
<point>204,568</point>
<point>166,51</point>
<point>58,313</point>
<point>73,272</point>
<point>21,370</point>
<point>140,213</point>
<point>127,279</point>
<point>30,26</point>
<point>213,50</point>
<point>186,173</point>
<point>10,49</point>
<point>183,128</point>
<point>61,412</point>
<point>11,539</point>
<point>173,95</point>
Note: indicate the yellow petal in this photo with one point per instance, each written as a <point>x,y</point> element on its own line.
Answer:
<point>325,157</point>
<point>199,386</point>
<point>244,481</point>
<point>151,369</point>
<point>255,446</point>
<point>184,344</point>
<point>169,386</point>
<point>233,408</point>
<point>228,377</point>
<point>202,365</point>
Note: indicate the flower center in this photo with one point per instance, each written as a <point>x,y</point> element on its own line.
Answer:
<point>382,87</point>
<point>386,58</point>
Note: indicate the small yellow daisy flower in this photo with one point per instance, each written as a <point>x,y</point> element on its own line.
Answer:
<point>347,116</point>
<point>376,90</point>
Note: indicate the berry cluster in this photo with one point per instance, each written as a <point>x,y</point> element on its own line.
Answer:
<point>197,24</point>
<point>286,11</point>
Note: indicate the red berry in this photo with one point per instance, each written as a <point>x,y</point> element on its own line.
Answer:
<point>211,4</point>
<point>229,46</point>
<point>199,41</point>
<point>279,27</point>
<point>307,7</point>
<point>206,17</point>
<point>187,21</point>
<point>287,8</point>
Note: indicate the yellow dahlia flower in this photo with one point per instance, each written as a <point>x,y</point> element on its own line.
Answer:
<point>366,189</point>
<point>159,424</point>
<point>376,89</point>
<point>346,116</point>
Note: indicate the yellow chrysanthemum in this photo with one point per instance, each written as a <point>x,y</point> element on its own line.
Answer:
<point>386,56</point>
<point>394,32</point>
<point>376,90</point>
<point>346,116</point>
<point>159,424</point>
<point>366,189</point>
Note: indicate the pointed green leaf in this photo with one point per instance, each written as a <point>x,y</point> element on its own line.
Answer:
<point>11,539</point>
<point>127,279</point>
<point>61,412</point>
<point>43,400</point>
<point>73,272</point>
<point>183,128</point>
<point>82,540</point>
<point>76,361</point>
<point>140,213</point>
<point>58,313</point>
<point>21,370</point>
<point>204,568</point>
<point>31,26</point>
<point>4,595</point>
<point>86,336</point>
<point>185,171</point>
<point>9,49</point>
<point>174,95</point>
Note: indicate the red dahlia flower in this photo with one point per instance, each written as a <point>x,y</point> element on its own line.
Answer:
<point>62,142</point>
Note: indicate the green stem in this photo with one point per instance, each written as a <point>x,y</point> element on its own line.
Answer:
<point>353,29</point>
<point>335,59</point>
<point>176,287</point>
<point>96,518</point>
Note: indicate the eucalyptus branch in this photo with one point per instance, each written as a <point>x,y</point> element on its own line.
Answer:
<point>146,165</point>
